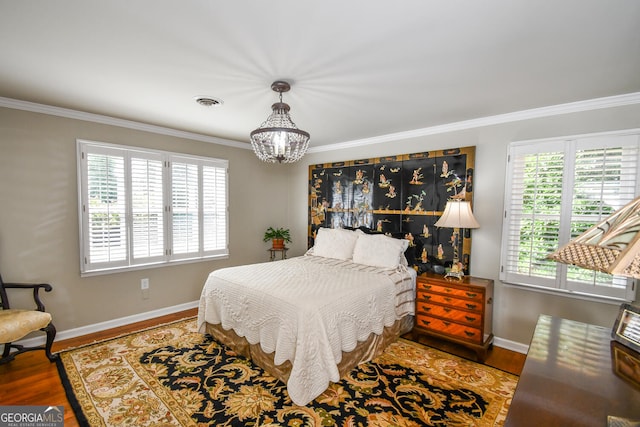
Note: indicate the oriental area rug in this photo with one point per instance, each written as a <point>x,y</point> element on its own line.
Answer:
<point>171,375</point>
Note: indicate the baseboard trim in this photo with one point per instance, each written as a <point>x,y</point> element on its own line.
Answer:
<point>511,345</point>
<point>109,324</point>
<point>122,321</point>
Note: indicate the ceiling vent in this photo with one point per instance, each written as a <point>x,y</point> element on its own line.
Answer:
<point>208,101</point>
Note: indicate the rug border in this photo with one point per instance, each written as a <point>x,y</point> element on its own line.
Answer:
<point>64,378</point>
<point>124,334</point>
<point>68,391</point>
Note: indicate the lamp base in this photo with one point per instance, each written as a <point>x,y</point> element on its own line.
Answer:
<point>456,271</point>
<point>458,275</point>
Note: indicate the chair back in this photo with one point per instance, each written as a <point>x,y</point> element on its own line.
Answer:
<point>4,300</point>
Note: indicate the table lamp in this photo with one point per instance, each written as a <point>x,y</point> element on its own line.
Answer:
<point>611,246</point>
<point>457,214</point>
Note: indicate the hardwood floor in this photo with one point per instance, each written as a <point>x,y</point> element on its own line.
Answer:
<point>32,380</point>
<point>497,357</point>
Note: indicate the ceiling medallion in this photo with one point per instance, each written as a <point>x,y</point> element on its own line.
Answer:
<point>278,139</point>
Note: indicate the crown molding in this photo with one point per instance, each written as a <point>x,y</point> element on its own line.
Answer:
<point>534,113</point>
<point>33,107</point>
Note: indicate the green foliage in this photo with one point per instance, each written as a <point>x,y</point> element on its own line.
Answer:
<point>277,233</point>
<point>541,202</point>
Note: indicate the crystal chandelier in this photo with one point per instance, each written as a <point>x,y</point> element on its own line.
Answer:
<point>278,139</point>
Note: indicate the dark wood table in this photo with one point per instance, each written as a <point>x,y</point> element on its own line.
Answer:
<point>569,379</point>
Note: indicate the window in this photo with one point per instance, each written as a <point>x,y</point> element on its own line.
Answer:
<point>142,207</point>
<point>555,190</point>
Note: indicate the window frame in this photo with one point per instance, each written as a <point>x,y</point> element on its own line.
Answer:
<point>131,261</point>
<point>568,146</point>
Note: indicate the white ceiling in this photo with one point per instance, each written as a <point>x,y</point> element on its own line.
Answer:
<point>358,68</point>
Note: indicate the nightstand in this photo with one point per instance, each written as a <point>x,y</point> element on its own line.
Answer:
<point>460,311</point>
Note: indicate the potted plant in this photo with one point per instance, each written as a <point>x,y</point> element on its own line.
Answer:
<point>278,237</point>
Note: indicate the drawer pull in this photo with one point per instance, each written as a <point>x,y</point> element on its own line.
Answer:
<point>446,323</point>
<point>471,306</point>
<point>447,299</point>
<point>448,290</point>
<point>469,333</point>
<point>426,308</point>
<point>426,286</point>
<point>470,319</point>
<point>471,295</point>
<point>426,296</point>
<point>425,322</point>
<point>446,309</point>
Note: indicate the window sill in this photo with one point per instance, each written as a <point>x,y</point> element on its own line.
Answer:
<point>151,265</point>
<point>567,294</point>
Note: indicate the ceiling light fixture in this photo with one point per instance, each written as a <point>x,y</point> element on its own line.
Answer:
<point>278,139</point>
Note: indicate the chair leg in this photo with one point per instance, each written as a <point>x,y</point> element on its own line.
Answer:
<point>51,335</point>
<point>8,355</point>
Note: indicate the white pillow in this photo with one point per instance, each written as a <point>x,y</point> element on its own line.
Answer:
<point>334,243</point>
<point>379,250</point>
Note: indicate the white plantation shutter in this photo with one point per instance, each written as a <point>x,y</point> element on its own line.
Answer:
<point>605,180</point>
<point>144,207</point>
<point>104,211</point>
<point>185,186</point>
<point>557,189</point>
<point>533,223</point>
<point>147,207</point>
<point>199,207</point>
<point>214,209</point>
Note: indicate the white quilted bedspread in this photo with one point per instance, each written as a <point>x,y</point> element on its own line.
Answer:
<point>308,310</point>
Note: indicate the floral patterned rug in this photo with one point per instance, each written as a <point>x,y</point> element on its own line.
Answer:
<point>171,375</point>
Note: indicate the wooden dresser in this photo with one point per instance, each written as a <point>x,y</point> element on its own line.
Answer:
<point>458,311</point>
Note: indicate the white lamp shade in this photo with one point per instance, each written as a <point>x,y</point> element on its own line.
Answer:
<point>457,214</point>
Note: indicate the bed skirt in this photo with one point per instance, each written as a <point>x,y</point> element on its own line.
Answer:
<point>366,350</point>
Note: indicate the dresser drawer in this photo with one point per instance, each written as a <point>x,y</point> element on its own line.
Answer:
<point>472,294</point>
<point>464,332</point>
<point>475,305</point>
<point>448,313</point>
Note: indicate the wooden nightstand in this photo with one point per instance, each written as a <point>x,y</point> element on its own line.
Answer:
<point>460,311</point>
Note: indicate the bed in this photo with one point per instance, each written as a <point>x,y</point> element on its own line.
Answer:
<point>310,319</point>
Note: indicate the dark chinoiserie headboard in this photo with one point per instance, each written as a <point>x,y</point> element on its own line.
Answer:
<point>401,196</point>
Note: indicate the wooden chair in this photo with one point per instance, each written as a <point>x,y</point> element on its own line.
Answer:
<point>15,324</point>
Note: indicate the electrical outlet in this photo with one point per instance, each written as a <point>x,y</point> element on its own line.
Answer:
<point>144,284</point>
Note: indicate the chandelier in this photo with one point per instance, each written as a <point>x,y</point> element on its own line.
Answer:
<point>278,139</point>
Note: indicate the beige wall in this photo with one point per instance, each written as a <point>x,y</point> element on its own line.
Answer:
<point>39,218</point>
<point>39,225</point>
<point>515,310</point>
